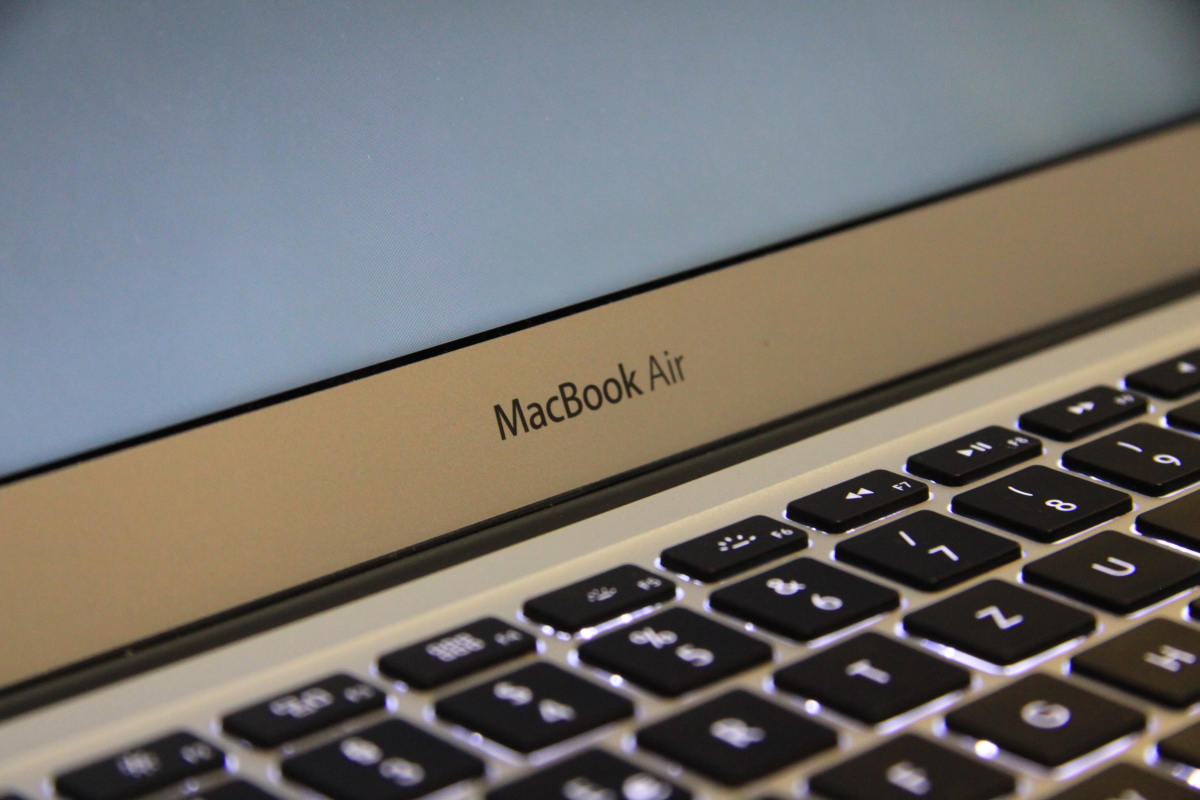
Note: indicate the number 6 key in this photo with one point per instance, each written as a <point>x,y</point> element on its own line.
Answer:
<point>1042,504</point>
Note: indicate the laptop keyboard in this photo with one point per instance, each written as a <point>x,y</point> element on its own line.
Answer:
<point>491,694</point>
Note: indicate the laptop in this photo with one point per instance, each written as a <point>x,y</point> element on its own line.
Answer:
<point>619,402</point>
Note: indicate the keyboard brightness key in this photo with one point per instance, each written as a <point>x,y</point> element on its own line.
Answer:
<point>1046,720</point>
<point>1042,504</point>
<point>733,549</point>
<point>910,766</point>
<point>602,597</point>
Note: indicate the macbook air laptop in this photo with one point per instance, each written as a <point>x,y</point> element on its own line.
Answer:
<point>599,402</point>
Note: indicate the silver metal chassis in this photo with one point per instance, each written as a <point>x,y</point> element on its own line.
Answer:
<point>193,694</point>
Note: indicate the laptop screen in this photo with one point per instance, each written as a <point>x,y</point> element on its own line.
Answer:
<point>213,204</point>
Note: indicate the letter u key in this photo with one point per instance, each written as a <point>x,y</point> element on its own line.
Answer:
<point>1123,569</point>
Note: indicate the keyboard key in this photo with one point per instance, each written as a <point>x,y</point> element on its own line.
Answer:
<point>600,598</point>
<point>1177,521</point>
<point>457,653</point>
<point>1127,782</point>
<point>733,549</point>
<point>675,652</point>
<point>594,775</point>
<point>804,599</point>
<point>1115,572</point>
<point>736,738</point>
<point>1183,747</point>
<point>856,502</point>
<point>389,761</point>
<point>1042,504</point>
<point>1159,660</point>
<point>235,790</point>
<point>1083,414</point>
<point>141,769</point>
<point>969,458</point>
<point>1186,417</point>
<point>999,623</point>
<point>928,551</point>
<point>534,707</point>
<point>1142,457</point>
<point>1045,720</point>
<point>1170,379</point>
<point>303,710</point>
<point>872,678</point>
<point>910,766</point>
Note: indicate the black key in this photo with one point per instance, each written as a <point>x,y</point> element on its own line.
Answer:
<point>235,790</point>
<point>1142,457</point>
<point>1177,521</point>
<point>733,549</point>
<point>1159,660</point>
<point>999,623</point>
<point>1186,417</point>
<point>736,738</point>
<point>804,599</point>
<point>1042,503</point>
<point>600,598</point>
<point>969,458</point>
<point>457,653</point>
<point>1046,720</point>
<point>534,707</point>
<point>1083,414</point>
<point>910,766</point>
<point>303,710</point>
<point>872,678</point>
<point>1183,747</point>
<point>141,769</point>
<point>856,502</point>
<point>594,775</point>
<point>1127,782</point>
<point>1115,572</point>
<point>928,551</point>
<point>675,652</point>
<point>389,761</point>
<point>1170,379</point>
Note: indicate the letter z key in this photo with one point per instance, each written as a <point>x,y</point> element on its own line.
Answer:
<point>999,623</point>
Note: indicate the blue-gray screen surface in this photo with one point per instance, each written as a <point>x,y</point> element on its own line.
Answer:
<point>204,204</point>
